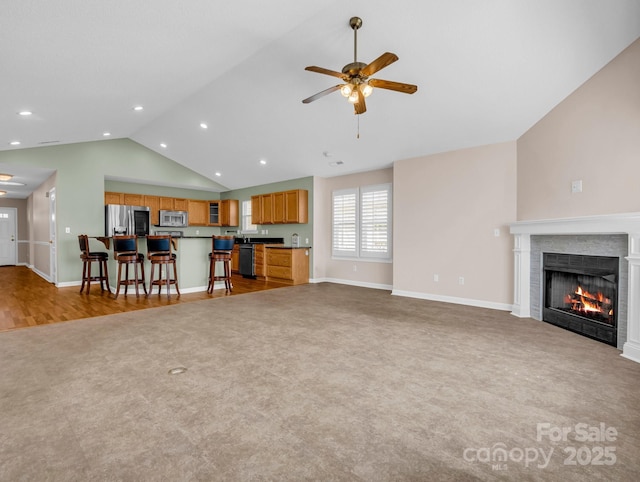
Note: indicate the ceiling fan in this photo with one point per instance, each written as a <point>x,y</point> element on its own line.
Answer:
<point>356,75</point>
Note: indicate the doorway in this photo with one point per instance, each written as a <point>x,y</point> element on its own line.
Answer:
<point>8,235</point>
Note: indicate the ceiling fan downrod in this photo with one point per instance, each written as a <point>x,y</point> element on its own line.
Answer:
<point>355,23</point>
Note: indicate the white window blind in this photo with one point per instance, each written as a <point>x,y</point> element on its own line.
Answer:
<point>345,221</point>
<point>375,202</point>
<point>362,222</point>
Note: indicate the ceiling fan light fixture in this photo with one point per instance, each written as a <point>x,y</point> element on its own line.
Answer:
<point>353,98</point>
<point>346,90</point>
<point>366,89</point>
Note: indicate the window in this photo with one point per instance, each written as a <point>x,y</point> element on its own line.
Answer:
<point>362,222</point>
<point>247,227</point>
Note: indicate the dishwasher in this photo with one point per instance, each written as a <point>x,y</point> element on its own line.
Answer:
<point>246,262</point>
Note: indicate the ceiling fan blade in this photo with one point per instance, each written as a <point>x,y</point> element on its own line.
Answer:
<point>397,86</point>
<point>380,63</point>
<point>360,107</point>
<point>321,94</point>
<point>320,70</point>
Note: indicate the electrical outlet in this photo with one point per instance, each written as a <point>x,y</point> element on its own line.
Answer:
<point>67,230</point>
<point>496,232</point>
<point>461,280</point>
<point>436,277</point>
<point>197,231</point>
<point>576,186</point>
<point>306,240</point>
<point>355,267</point>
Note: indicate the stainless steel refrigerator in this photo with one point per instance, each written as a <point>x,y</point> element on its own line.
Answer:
<point>121,219</point>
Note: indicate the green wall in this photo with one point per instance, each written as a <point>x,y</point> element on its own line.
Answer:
<point>85,170</point>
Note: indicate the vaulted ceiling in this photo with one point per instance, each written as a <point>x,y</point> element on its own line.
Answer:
<point>486,72</point>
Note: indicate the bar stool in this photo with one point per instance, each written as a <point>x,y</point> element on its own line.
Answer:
<point>125,252</point>
<point>89,257</point>
<point>159,253</point>
<point>221,248</point>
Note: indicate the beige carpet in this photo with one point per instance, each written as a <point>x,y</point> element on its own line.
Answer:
<point>315,382</point>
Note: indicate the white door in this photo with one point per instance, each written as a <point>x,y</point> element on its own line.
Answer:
<point>8,232</point>
<point>52,236</point>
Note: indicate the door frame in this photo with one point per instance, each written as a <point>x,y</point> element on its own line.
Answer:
<point>15,234</point>
<point>53,259</point>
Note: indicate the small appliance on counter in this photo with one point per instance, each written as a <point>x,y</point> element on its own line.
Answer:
<point>173,219</point>
<point>126,220</point>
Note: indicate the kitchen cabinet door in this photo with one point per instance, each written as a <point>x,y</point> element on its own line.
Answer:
<point>296,206</point>
<point>180,204</point>
<point>166,203</point>
<point>133,199</point>
<point>213,213</point>
<point>154,206</point>
<point>256,209</point>
<point>229,212</point>
<point>267,208</point>
<point>113,197</point>
<point>198,212</point>
<point>278,208</point>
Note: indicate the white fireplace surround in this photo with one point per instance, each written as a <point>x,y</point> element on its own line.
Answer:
<point>628,223</point>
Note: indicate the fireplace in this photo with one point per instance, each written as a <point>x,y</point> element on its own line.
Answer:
<point>581,293</point>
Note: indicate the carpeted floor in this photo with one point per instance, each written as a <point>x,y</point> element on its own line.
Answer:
<point>315,382</point>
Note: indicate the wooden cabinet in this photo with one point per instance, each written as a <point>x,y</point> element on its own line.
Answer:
<point>113,197</point>
<point>180,204</point>
<point>235,259</point>
<point>133,199</point>
<point>154,206</point>
<point>296,206</point>
<point>287,207</point>
<point>258,263</point>
<point>166,203</point>
<point>229,212</point>
<point>256,210</point>
<point>198,212</point>
<point>266,208</point>
<point>288,265</point>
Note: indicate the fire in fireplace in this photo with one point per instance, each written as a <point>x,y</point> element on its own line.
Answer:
<point>581,294</point>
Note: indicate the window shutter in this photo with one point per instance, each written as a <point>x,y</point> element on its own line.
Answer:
<point>345,222</point>
<point>375,207</point>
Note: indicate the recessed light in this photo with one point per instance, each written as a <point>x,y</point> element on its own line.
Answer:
<point>203,125</point>
<point>5,177</point>
<point>263,162</point>
<point>25,113</point>
<point>106,134</point>
<point>15,143</point>
<point>218,174</point>
<point>2,193</point>
<point>163,145</point>
<point>138,107</point>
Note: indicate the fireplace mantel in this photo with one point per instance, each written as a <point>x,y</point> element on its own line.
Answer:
<point>627,223</point>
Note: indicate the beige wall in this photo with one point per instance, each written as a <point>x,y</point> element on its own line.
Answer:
<point>375,274</point>
<point>446,208</point>
<point>593,136</point>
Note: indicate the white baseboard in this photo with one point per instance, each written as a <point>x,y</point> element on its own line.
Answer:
<point>452,299</point>
<point>41,274</point>
<point>362,284</point>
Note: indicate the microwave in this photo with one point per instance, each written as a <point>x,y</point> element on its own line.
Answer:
<point>178,219</point>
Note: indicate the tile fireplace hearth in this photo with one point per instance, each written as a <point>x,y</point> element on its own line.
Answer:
<point>615,235</point>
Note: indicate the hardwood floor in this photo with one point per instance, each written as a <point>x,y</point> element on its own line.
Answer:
<point>27,300</point>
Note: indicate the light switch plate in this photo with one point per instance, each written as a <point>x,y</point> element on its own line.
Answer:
<point>576,186</point>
